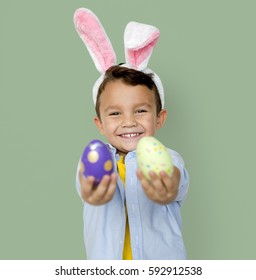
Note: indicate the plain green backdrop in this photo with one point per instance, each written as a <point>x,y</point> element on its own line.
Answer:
<point>206,60</point>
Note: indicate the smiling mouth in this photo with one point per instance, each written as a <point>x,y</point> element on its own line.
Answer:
<point>130,135</point>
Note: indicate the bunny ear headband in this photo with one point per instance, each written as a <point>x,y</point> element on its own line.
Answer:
<point>139,41</point>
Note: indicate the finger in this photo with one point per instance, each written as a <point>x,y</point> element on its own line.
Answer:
<point>167,180</point>
<point>146,185</point>
<point>81,171</point>
<point>99,191</point>
<point>143,180</point>
<point>163,186</point>
<point>157,183</point>
<point>171,182</point>
<point>85,182</point>
<point>111,188</point>
<point>87,186</point>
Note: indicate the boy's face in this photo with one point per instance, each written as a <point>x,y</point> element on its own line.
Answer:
<point>128,113</point>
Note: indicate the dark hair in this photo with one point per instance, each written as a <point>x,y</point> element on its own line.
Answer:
<point>130,77</point>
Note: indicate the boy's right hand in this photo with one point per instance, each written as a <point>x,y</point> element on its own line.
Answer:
<point>100,194</point>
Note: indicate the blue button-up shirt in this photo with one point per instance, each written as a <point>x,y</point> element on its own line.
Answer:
<point>155,230</point>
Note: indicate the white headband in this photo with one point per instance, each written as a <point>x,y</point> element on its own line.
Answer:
<point>139,42</point>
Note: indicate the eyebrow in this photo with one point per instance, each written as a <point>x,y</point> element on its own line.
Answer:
<point>111,108</point>
<point>144,104</point>
<point>116,107</point>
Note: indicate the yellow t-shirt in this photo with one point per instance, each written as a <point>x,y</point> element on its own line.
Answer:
<point>127,251</point>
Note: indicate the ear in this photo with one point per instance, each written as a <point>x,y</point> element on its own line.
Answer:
<point>95,38</point>
<point>161,118</point>
<point>139,40</point>
<point>99,125</point>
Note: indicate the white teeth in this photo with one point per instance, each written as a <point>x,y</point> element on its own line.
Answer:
<point>129,135</point>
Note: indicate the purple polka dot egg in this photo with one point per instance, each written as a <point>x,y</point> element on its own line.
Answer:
<point>97,160</point>
<point>152,155</point>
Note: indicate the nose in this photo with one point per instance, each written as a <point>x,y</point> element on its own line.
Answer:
<point>129,121</point>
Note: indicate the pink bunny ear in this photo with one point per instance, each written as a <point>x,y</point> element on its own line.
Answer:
<point>95,38</point>
<point>139,40</point>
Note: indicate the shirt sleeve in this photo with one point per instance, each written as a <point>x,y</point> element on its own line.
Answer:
<point>184,176</point>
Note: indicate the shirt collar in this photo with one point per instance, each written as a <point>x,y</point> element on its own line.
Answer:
<point>114,153</point>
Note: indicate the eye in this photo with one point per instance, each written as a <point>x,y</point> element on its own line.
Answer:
<point>140,111</point>
<point>114,114</point>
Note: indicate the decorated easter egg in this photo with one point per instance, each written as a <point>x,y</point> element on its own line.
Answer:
<point>152,155</point>
<point>97,160</point>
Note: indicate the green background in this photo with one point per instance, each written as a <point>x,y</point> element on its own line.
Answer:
<point>206,60</point>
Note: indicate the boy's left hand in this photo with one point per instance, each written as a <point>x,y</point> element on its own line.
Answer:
<point>162,189</point>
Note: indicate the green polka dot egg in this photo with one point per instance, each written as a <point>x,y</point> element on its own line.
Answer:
<point>152,155</point>
<point>97,160</point>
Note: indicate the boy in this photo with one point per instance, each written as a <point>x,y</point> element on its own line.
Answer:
<point>127,216</point>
